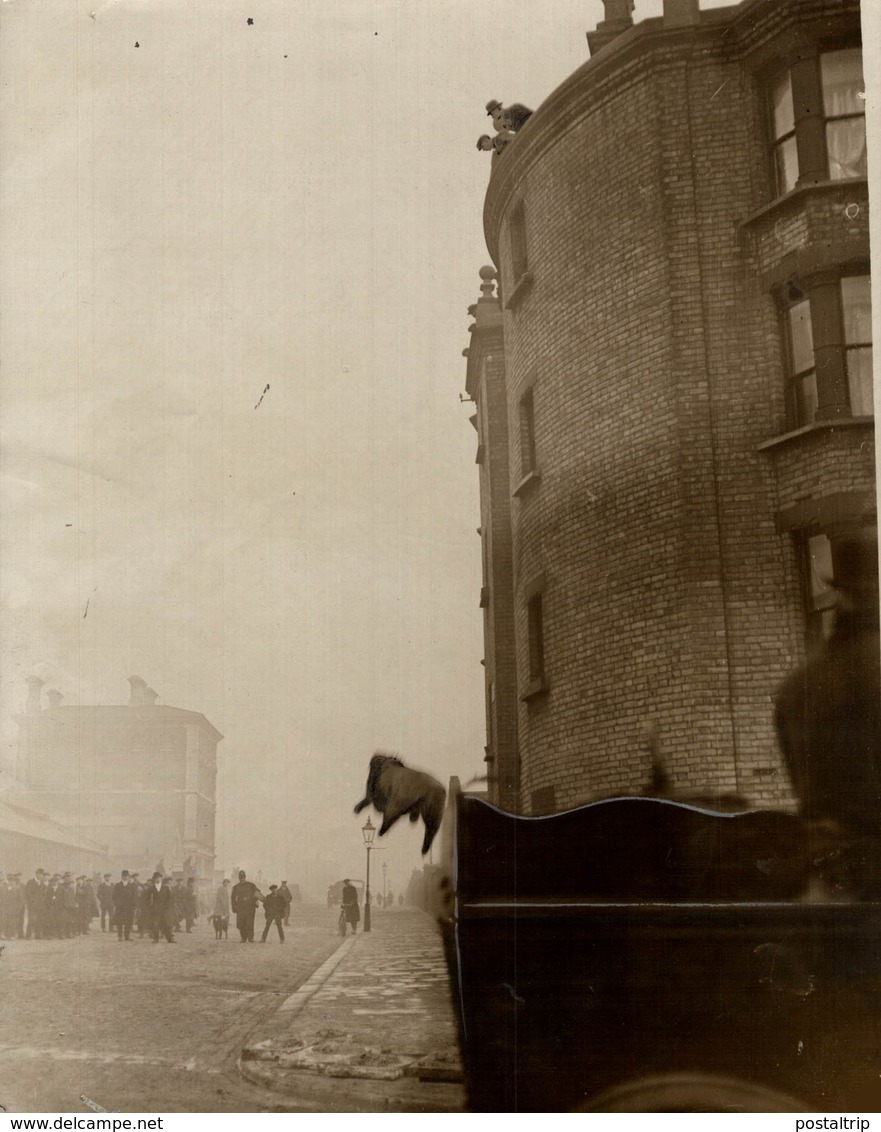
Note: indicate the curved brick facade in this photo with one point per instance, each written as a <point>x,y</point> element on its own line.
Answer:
<point>640,251</point>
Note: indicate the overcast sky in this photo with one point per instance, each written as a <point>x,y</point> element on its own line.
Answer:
<point>237,259</point>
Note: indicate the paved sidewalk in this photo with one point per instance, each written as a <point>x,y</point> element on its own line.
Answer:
<point>372,1030</point>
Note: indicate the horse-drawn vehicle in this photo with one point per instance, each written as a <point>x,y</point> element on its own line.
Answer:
<point>642,955</point>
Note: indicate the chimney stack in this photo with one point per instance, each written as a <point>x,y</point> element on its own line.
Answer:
<point>619,18</point>
<point>681,13</point>
<point>138,687</point>
<point>35,685</point>
<point>54,697</point>
<point>150,697</point>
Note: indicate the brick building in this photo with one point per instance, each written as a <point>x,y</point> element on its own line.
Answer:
<point>673,392</point>
<point>137,778</point>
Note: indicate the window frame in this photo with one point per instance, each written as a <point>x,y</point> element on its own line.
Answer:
<point>530,473</point>
<point>810,118</point>
<point>825,295</point>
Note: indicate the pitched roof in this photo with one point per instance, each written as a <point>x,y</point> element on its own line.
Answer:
<point>28,823</point>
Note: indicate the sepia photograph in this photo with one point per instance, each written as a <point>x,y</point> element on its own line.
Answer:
<point>439,559</point>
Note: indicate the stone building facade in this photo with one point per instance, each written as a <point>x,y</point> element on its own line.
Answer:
<point>673,393</point>
<point>138,778</point>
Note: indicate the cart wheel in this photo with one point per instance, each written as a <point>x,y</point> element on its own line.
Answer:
<point>691,1092</point>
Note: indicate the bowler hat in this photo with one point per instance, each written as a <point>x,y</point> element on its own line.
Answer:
<point>493,104</point>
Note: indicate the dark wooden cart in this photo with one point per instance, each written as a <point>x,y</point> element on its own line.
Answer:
<point>641,955</point>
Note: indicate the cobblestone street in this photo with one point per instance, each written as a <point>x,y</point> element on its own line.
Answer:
<point>142,1027</point>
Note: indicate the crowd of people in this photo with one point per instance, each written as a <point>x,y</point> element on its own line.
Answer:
<point>60,906</point>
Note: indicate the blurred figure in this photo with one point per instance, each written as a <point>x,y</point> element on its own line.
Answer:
<point>158,900</point>
<point>351,911</point>
<point>36,900</point>
<point>125,898</point>
<point>288,897</point>
<point>189,903</point>
<point>828,719</point>
<point>274,907</point>
<point>105,903</point>
<point>244,900</point>
<point>15,907</point>
<point>220,916</point>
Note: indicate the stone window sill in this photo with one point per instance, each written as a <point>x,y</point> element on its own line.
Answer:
<point>521,289</point>
<point>529,481</point>
<point>817,426</point>
<point>537,686</point>
<point>795,196</point>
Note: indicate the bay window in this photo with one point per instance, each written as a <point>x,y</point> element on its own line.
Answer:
<point>817,114</point>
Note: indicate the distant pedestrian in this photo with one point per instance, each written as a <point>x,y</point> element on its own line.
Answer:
<point>274,907</point>
<point>125,897</point>
<point>189,904</point>
<point>221,912</point>
<point>244,899</point>
<point>288,897</point>
<point>36,901</point>
<point>178,893</point>
<point>159,900</point>
<point>351,911</point>
<point>105,903</point>
<point>15,907</point>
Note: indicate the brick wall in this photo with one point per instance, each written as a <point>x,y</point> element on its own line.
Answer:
<point>651,341</point>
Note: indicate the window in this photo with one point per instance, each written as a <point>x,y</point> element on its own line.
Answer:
<point>802,373</point>
<point>527,434</point>
<point>817,114</point>
<point>856,305</point>
<point>535,615</point>
<point>831,557</point>
<point>518,242</point>
<point>819,594</point>
<point>529,473</point>
<point>844,108</point>
<point>784,147</point>
<point>828,331</point>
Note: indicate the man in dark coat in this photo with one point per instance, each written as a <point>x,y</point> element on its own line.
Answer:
<point>54,909</point>
<point>274,906</point>
<point>244,900</point>
<point>828,718</point>
<point>158,898</point>
<point>125,897</point>
<point>286,895</point>
<point>350,907</point>
<point>105,903</point>
<point>35,900</point>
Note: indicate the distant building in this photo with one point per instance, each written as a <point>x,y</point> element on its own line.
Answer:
<point>31,841</point>
<point>673,393</point>
<point>138,778</point>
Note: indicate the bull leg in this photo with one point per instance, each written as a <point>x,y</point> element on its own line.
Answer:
<point>387,823</point>
<point>364,802</point>
<point>430,832</point>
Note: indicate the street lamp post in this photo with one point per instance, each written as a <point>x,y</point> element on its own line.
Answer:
<point>384,884</point>
<point>368,831</point>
